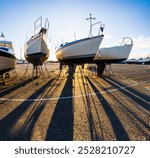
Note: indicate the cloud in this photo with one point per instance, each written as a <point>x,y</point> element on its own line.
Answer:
<point>141,42</point>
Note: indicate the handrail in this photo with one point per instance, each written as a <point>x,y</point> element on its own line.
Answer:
<point>38,23</point>
<point>37,26</point>
<point>101,28</point>
<point>126,41</point>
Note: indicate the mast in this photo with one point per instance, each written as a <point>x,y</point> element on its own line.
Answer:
<point>20,52</point>
<point>90,18</point>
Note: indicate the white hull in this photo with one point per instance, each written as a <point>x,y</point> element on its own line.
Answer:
<point>116,53</point>
<point>37,44</point>
<point>37,49</point>
<point>84,48</point>
<point>7,57</point>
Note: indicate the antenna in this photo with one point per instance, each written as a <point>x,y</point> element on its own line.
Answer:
<point>90,18</point>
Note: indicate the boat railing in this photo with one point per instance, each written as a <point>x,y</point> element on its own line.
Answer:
<point>101,27</point>
<point>100,30</point>
<point>37,24</point>
<point>126,41</point>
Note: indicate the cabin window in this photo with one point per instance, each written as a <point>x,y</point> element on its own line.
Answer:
<point>6,45</point>
<point>6,49</point>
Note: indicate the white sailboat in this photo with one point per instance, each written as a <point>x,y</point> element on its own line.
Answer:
<point>115,53</point>
<point>81,51</point>
<point>37,47</point>
<point>7,56</point>
<point>112,54</point>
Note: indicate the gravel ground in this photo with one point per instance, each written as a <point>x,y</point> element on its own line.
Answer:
<point>54,107</point>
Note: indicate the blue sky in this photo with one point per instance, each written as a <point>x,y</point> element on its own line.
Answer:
<point>121,17</point>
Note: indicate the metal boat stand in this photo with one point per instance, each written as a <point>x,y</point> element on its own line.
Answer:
<point>62,70</point>
<point>26,72</point>
<point>80,70</point>
<point>46,69</point>
<point>91,71</point>
<point>15,73</point>
<point>4,78</point>
<point>37,70</point>
<point>67,70</point>
<point>108,69</point>
<point>95,69</point>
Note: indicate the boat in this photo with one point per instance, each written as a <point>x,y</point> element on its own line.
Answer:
<point>144,61</point>
<point>37,47</point>
<point>82,50</point>
<point>113,54</point>
<point>7,56</point>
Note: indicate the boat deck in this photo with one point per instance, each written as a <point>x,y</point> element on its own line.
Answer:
<point>114,107</point>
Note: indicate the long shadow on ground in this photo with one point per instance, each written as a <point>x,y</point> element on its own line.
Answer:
<point>13,88</point>
<point>27,129</point>
<point>61,125</point>
<point>88,100</point>
<point>135,118</point>
<point>139,98</point>
<point>118,128</point>
<point>10,120</point>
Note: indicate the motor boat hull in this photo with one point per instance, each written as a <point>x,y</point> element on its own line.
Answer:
<point>37,49</point>
<point>7,62</point>
<point>80,51</point>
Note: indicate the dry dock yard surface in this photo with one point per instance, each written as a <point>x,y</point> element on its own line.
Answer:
<point>87,107</point>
